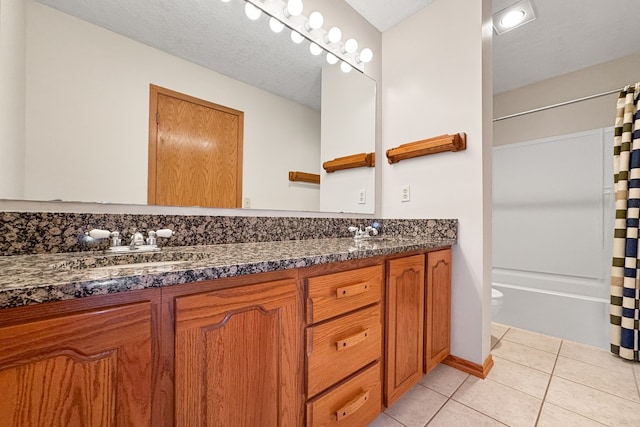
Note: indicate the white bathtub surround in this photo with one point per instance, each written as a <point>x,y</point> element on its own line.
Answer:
<point>553,212</point>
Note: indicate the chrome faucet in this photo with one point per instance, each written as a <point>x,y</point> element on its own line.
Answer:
<point>137,243</point>
<point>360,233</point>
<point>137,239</point>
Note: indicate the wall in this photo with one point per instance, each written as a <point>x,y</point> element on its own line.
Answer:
<point>553,234</point>
<point>12,94</point>
<point>585,115</point>
<point>436,80</point>
<point>103,80</point>
<point>346,130</point>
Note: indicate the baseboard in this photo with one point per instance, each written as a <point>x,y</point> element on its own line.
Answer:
<point>480,371</point>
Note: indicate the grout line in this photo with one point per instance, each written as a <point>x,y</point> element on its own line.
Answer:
<point>637,383</point>
<point>544,398</point>
<point>445,402</point>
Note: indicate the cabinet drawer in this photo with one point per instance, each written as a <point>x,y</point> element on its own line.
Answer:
<point>339,348</point>
<point>334,294</point>
<point>355,403</point>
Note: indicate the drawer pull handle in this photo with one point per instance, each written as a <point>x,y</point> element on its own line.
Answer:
<point>348,291</point>
<point>352,406</point>
<point>352,340</point>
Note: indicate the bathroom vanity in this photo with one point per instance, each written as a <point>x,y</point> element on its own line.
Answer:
<point>290,333</point>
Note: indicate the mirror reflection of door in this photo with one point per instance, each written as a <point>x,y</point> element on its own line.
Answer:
<point>195,151</point>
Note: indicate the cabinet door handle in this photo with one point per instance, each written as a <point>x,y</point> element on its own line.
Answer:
<point>352,340</point>
<point>347,291</point>
<point>352,406</point>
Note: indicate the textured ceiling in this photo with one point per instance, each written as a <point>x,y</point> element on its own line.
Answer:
<point>568,35</point>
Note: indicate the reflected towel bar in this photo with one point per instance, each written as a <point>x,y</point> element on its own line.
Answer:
<point>304,177</point>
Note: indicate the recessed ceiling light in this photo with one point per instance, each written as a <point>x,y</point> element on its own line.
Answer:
<point>514,16</point>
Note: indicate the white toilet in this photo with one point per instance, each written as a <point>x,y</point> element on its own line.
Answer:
<point>496,301</point>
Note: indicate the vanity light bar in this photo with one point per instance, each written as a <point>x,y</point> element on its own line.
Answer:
<point>311,28</point>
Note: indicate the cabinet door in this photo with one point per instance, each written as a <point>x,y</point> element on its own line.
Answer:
<point>405,317</point>
<point>85,369</point>
<point>438,309</point>
<point>237,354</point>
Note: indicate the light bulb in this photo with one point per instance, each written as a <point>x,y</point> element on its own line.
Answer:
<point>251,11</point>
<point>366,55</point>
<point>294,8</point>
<point>275,25</point>
<point>296,37</point>
<point>345,67</point>
<point>331,58</point>
<point>333,35</point>
<point>350,46</point>
<point>512,18</point>
<point>315,21</point>
<point>225,1</point>
<point>315,49</point>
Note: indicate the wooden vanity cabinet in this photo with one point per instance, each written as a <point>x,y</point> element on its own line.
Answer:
<point>418,318</point>
<point>405,325</point>
<point>237,355</point>
<point>344,341</point>
<point>437,342</point>
<point>80,362</point>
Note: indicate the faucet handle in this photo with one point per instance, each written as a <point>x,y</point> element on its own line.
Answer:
<point>99,234</point>
<point>352,229</point>
<point>164,232</point>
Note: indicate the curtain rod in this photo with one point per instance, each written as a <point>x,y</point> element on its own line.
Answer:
<point>560,104</point>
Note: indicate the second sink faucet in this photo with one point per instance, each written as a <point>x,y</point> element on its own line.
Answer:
<point>360,233</point>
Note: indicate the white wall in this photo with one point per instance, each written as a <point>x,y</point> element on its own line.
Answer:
<point>12,98</point>
<point>437,81</point>
<point>346,130</point>
<point>87,118</point>
<point>553,215</point>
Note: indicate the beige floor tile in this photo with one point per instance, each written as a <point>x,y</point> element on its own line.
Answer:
<point>533,339</point>
<point>594,404</point>
<point>528,356</point>
<point>417,406</point>
<point>444,379</point>
<point>593,356</point>
<point>608,380</point>
<point>555,416</point>
<point>498,401</point>
<point>384,420</point>
<point>520,377</point>
<point>636,369</point>
<point>498,330</point>
<point>455,414</point>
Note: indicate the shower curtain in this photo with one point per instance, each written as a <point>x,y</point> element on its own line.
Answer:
<point>625,270</point>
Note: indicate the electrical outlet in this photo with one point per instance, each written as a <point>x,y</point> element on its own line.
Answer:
<point>246,203</point>
<point>405,193</point>
<point>362,197</point>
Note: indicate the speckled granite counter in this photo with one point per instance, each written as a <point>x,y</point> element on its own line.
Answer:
<point>34,279</point>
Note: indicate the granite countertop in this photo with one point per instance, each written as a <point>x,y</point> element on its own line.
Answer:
<point>34,279</point>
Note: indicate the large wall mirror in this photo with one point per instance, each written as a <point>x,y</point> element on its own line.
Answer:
<point>87,68</point>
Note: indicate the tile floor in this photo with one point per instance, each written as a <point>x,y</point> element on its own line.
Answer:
<point>536,380</point>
